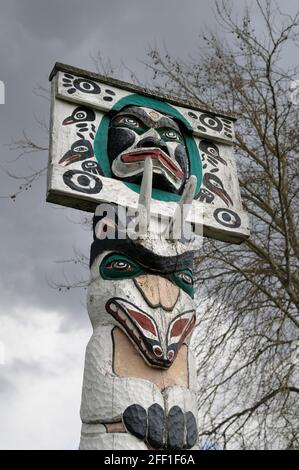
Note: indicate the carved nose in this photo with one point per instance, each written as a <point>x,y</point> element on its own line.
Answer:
<point>158,291</point>
<point>152,139</point>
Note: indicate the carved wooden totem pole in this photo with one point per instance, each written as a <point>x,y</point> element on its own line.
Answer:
<point>155,173</point>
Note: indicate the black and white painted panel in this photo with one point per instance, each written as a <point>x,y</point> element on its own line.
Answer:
<point>76,177</point>
<point>100,96</point>
<point>87,91</point>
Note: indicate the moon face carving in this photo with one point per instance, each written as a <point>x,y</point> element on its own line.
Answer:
<point>137,133</point>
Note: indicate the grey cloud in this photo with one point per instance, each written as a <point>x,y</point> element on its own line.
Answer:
<point>7,387</point>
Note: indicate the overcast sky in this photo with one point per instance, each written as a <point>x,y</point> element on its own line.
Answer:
<point>43,332</point>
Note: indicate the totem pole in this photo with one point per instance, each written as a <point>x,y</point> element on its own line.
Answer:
<point>156,174</point>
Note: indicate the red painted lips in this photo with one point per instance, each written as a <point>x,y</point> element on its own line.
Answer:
<point>154,154</point>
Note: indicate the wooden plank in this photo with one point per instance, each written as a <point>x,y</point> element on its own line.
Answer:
<point>80,184</point>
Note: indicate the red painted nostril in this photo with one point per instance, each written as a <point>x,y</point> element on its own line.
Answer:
<point>157,351</point>
<point>170,355</point>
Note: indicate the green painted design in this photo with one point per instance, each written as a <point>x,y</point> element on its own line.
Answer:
<point>117,266</point>
<point>184,280</point>
<point>101,140</point>
<point>164,134</point>
<point>139,130</point>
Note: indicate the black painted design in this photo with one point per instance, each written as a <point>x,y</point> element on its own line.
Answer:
<point>92,167</point>
<point>192,115</point>
<point>82,182</point>
<point>155,426</point>
<point>80,116</point>
<point>128,131</point>
<point>201,128</point>
<point>82,126</point>
<point>210,152</point>
<point>210,121</point>
<point>80,150</point>
<point>191,428</point>
<point>227,218</point>
<point>205,196</point>
<point>215,185</point>
<point>107,98</point>
<point>110,92</point>
<point>175,428</point>
<point>80,84</point>
<point>178,428</point>
<point>135,421</point>
<point>118,140</point>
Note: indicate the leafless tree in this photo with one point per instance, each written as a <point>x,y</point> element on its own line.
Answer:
<point>248,334</point>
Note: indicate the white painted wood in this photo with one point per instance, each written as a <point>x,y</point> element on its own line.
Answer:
<point>97,101</point>
<point>115,441</point>
<point>62,138</point>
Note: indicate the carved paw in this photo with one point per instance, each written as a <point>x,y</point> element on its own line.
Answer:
<point>177,430</point>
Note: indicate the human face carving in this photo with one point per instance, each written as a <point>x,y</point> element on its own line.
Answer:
<point>138,133</point>
<point>155,311</point>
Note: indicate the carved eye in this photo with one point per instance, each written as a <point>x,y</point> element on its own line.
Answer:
<point>80,115</point>
<point>87,86</point>
<point>212,150</point>
<point>171,134</point>
<point>212,122</point>
<point>117,266</point>
<point>129,121</point>
<point>184,280</point>
<point>80,148</point>
<point>217,185</point>
<point>185,277</point>
<point>120,265</point>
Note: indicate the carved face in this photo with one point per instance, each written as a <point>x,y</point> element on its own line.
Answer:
<point>137,133</point>
<point>155,310</point>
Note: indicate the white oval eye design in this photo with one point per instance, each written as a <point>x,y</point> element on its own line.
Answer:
<point>86,86</point>
<point>157,350</point>
<point>80,115</point>
<point>171,135</point>
<point>186,278</point>
<point>131,121</point>
<point>127,121</point>
<point>212,151</point>
<point>121,265</point>
<point>211,121</point>
<point>80,148</point>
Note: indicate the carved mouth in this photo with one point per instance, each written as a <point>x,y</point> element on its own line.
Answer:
<point>156,155</point>
<point>141,329</point>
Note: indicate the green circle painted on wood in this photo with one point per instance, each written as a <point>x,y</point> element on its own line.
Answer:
<point>101,142</point>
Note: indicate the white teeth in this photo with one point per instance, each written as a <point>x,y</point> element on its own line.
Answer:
<point>113,307</point>
<point>121,314</point>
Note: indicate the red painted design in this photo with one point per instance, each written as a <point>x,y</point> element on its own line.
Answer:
<point>154,154</point>
<point>178,327</point>
<point>143,321</point>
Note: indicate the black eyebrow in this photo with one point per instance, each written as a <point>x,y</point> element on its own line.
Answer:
<point>168,122</point>
<point>164,121</point>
